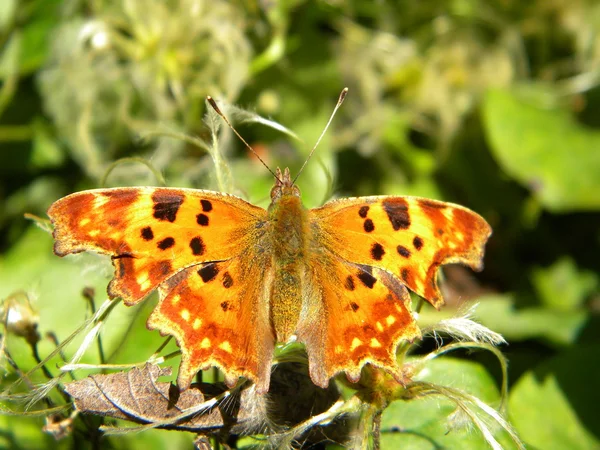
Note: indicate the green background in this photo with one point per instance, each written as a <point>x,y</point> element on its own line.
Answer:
<point>494,105</point>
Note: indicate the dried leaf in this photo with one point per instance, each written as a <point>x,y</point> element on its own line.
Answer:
<point>212,409</point>
<point>138,396</point>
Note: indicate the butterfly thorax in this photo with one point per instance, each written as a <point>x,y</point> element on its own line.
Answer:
<point>288,220</point>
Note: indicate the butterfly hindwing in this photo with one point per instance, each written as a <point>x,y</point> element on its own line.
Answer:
<point>219,315</point>
<point>354,315</point>
<point>409,237</point>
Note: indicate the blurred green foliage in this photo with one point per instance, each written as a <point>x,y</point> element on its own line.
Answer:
<point>490,104</point>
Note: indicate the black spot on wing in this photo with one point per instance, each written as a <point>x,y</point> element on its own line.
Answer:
<point>206,205</point>
<point>208,272</point>
<point>166,205</point>
<point>166,243</point>
<point>365,275</point>
<point>224,306</point>
<point>123,255</point>
<point>418,243</point>
<point>368,225</point>
<point>397,212</point>
<point>147,234</point>
<point>403,251</point>
<point>202,219</point>
<point>123,263</point>
<point>121,267</point>
<point>197,246</point>
<point>354,306</point>
<point>377,251</point>
<point>363,211</point>
<point>227,280</point>
<point>349,283</point>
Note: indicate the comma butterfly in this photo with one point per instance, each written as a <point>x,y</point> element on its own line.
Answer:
<point>233,278</point>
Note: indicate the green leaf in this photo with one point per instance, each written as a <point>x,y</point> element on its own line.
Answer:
<point>562,286</point>
<point>7,11</point>
<point>498,313</point>
<point>24,433</point>
<point>46,152</point>
<point>57,284</point>
<point>424,423</point>
<point>555,405</point>
<point>545,150</point>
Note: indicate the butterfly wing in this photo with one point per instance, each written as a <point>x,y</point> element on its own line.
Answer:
<point>409,237</point>
<point>152,233</point>
<point>365,252</point>
<point>219,315</point>
<point>192,245</point>
<point>354,314</point>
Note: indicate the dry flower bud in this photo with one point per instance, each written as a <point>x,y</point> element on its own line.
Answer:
<point>20,317</point>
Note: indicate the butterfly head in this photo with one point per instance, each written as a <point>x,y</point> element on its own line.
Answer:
<point>284,185</point>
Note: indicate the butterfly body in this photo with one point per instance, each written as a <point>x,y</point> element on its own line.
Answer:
<point>288,237</point>
<point>233,279</point>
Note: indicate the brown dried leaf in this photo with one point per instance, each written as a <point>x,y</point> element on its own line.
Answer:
<point>137,396</point>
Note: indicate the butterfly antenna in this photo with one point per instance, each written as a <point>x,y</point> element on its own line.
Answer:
<point>210,100</point>
<point>337,106</point>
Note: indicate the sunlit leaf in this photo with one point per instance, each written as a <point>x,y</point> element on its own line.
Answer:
<point>554,406</point>
<point>426,423</point>
<point>545,150</point>
<point>499,313</point>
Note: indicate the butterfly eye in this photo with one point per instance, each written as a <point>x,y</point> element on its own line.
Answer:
<point>275,192</point>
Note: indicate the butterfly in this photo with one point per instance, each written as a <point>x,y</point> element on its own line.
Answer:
<point>234,279</point>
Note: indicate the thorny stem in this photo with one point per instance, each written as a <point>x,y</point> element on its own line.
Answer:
<point>47,374</point>
<point>484,346</point>
<point>163,345</point>
<point>152,360</point>
<point>377,429</point>
<point>466,403</point>
<point>214,105</point>
<point>86,142</point>
<point>337,409</point>
<point>23,376</point>
<point>96,319</point>
<point>196,142</point>
<point>14,365</point>
<point>419,305</point>
<point>130,327</point>
<point>36,356</point>
<point>368,435</point>
<point>50,335</point>
<point>88,295</point>
<point>132,159</point>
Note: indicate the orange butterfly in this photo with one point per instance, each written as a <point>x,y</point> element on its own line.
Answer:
<point>234,279</point>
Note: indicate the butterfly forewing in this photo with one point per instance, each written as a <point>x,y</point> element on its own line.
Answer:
<point>409,237</point>
<point>152,233</point>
